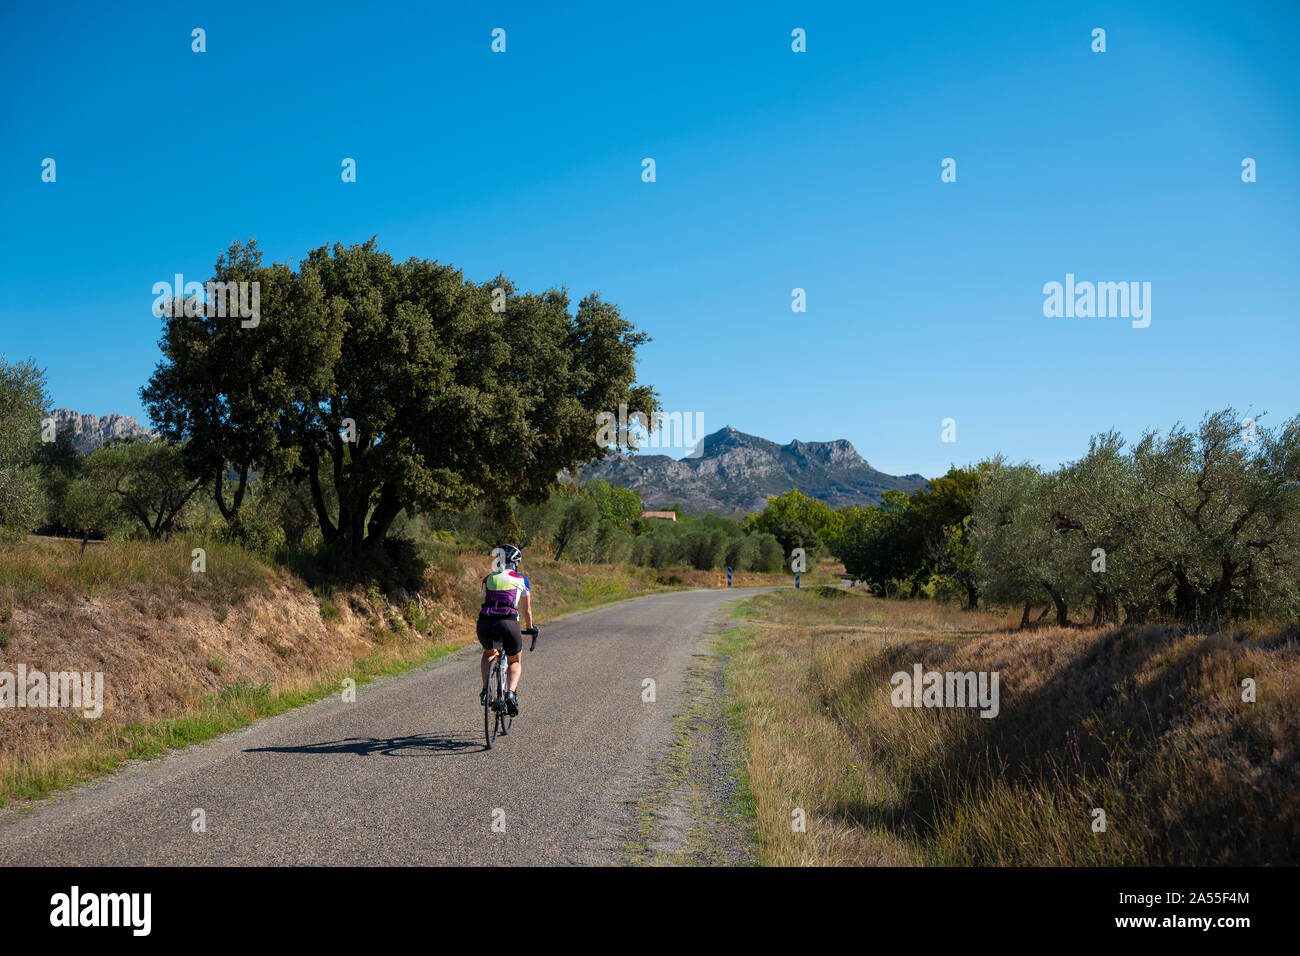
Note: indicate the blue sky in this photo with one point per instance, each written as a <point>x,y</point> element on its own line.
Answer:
<point>775,170</point>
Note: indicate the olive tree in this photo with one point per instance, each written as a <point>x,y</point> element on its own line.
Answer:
<point>1222,514</point>
<point>147,480</point>
<point>23,404</point>
<point>1022,554</point>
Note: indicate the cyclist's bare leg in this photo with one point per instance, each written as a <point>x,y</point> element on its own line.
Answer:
<point>512,675</point>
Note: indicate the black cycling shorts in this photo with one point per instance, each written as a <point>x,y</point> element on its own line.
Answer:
<point>503,629</point>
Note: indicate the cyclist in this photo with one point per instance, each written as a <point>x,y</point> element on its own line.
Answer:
<point>506,595</point>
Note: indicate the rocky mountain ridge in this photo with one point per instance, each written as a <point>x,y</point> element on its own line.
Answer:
<point>735,473</point>
<point>93,431</point>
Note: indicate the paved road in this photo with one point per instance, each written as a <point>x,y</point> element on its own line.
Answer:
<point>401,776</point>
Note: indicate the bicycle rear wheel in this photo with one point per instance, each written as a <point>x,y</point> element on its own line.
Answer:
<point>491,716</point>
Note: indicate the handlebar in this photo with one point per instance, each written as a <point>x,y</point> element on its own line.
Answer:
<point>533,631</point>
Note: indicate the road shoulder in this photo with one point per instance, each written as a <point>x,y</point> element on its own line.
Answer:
<point>690,813</point>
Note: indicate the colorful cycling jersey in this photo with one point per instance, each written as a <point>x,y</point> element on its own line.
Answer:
<point>501,591</point>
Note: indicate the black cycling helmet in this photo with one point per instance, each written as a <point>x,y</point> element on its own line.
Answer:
<point>510,555</point>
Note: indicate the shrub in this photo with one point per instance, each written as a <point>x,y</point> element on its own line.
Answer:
<point>770,557</point>
<point>256,529</point>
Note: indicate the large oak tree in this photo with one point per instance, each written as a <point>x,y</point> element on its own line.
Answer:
<point>396,385</point>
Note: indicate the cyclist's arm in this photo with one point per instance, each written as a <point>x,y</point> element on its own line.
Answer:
<point>526,610</point>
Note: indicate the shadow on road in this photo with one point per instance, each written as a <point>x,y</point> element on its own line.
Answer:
<point>417,745</point>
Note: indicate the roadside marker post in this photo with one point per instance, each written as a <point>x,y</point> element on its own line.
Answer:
<point>796,579</point>
<point>728,577</point>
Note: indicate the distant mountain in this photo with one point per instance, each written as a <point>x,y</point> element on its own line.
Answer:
<point>90,431</point>
<point>737,473</point>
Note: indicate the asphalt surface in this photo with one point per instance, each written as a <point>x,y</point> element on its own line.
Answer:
<point>401,776</point>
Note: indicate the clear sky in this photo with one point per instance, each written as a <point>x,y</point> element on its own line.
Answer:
<point>775,170</point>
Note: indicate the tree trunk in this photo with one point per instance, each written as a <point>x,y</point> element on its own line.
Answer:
<point>1186,599</point>
<point>357,532</point>
<point>327,528</point>
<point>385,513</point>
<point>1062,609</point>
<point>1103,608</point>
<point>219,493</point>
<point>1217,599</point>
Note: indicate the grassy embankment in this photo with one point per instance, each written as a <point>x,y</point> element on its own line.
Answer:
<point>1147,724</point>
<point>187,656</point>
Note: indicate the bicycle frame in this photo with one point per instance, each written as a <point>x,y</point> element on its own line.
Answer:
<point>503,675</point>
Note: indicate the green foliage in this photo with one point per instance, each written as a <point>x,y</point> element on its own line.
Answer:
<point>289,501</point>
<point>661,547</point>
<point>769,557</point>
<point>881,546</point>
<point>702,547</point>
<point>74,503</point>
<point>741,552</point>
<point>797,521</point>
<point>578,516</point>
<point>941,517</point>
<point>794,508</point>
<point>85,509</point>
<point>795,534</point>
<point>621,507</point>
<point>257,530</point>
<point>222,385</point>
<point>574,526</point>
<point>23,403</point>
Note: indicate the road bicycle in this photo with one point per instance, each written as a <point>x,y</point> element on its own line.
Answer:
<point>496,718</point>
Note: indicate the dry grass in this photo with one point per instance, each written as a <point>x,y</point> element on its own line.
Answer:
<point>1147,724</point>
<point>56,567</point>
<point>187,655</point>
<point>184,654</point>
